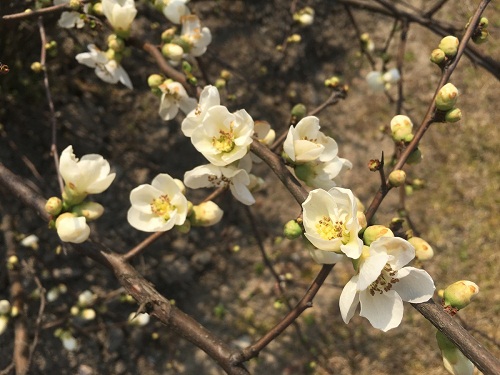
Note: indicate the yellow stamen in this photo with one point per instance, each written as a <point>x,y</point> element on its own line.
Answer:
<point>162,207</point>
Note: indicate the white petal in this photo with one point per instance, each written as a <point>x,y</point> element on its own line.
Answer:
<point>148,222</point>
<point>241,193</point>
<point>349,299</point>
<point>384,311</point>
<point>142,196</point>
<point>414,285</point>
<point>370,269</point>
<point>202,176</point>
<point>375,81</point>
<point>73,229</point>
<point>175,10</point>
<point>288,145</point>
<point>400,251</point>
<point>325,257</point>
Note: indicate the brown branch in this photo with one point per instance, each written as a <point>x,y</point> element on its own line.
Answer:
<point>40,12</point>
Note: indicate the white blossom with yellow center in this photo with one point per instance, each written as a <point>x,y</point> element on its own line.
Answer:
<point>173,98</point>
<point>194,35</point>
<point>223,137</point>
<point>382,284</point>
<point>209,98</point>
<point>331,223</point>
<point>159,206</point>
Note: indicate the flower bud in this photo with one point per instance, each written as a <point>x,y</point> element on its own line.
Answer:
<point>53,206</point>
<point>401,127</point>
<point>397,177</point>
<point>184,228</point>
<point>4,307</point>
<point>374,232</point>
<point>437,56</point>
<point>459,294</point>
<point>483,22</point>
<point>172,51</point>
<point>256,183</point>
<point>30,241</point>
<point>423,251</point>
<point>97,9</point>
<point>88,314</point>
<point>36,67</point>
<point>453,359</point>
<point>155,80</point>
<point>449,45</point>
<point>481,37</point>
<point>332,82</point>
<point>415,157</point>
<point>89,210</point>
<point>71,228</point>
<point>168,35</point>
<point>140,319</point>
<point>453,115</point>
<point>299,111</point>
<point>305,16</point>
<point>206,214</point>
<point>446,97</point>
<point>115,43</point>
<point>75,4</point>
<point>226,74</point>
<point>294,38</point>
<point>292,230</point>
<point>86,298</point>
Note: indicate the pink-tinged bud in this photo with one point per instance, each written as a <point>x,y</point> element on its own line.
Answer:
<point>449,45</point>
<point>446,97</point>
<point>374,232</point>
<point>423,251</point>
<point>397,177</point>
<point>459,294</point>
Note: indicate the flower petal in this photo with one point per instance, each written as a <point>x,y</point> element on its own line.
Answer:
<point>415,285</point>
<point>349,299</point>
<point>325,257</point>
<point>384,311</point>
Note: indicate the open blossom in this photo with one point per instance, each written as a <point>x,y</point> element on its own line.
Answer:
<point>322,175</point>
<point>382,284</point>
<point>108,70</point>
<point>175,9</point>
<point>224,137</point>
<point>87,175</point>
<point>120,13</point>
<point>72,229</point>
<point>331,223</point>
<point>159,206</point>
<point>209,175</point>
<point>209,98</point>
<point>69,20</point>
<point>194,35</point>
<point>173,97</point>
<point>305,142</point>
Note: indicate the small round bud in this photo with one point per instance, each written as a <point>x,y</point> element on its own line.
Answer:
<point>366,42</point>
<point>446,97</point>
<point>206,214</point>
<point>97,9</point>
<point>397,177</point>
<point>256,183</point>
<point>438,56</point>
<point>4,307</point>
<point>299,111</point>
<point>415,157</point>
<point>374,232</point>
<point>115,43</point>
<point>75,4</point>
<point>294,38</point>
<point>53,206</point>
<point>172,51</point>
<point>168,35</point>
<point>423,251</point>
<point>305,16</point>
<point>88,314</point>
<point>86,298</point>
<point>453,115</point>
<point>74,311</point>
<point>374,165</point>
<point>4,321</point>
<point>449,45</point>
<point>226,74</point>
<point>292,230</point>
<point>220,83</point>
<point>332,82</point>
<point>36,67</point>
<point>139,320</point>
<point>13,261</point>
<point>155,80</point>
<point>459,294</point>
<point>89,210</point>
<point>481,37</point>
<point>483,22</point>
<point>401,127</point>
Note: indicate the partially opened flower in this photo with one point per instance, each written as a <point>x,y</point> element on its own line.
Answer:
<point>120,14</point>
<point>305,142</point>
<point>194,35</point>
<point>108,70</point>
<point>331,223</point>
<point>88,175</point>
<point>175,9</point>
<point>382,284</point>
<point>224,137</point>
<point>159,206</point>
<point>173,97</point>
<point>69,20</point>
<point>72,229</point>
<point>209,175</point>
<point>209,98</point>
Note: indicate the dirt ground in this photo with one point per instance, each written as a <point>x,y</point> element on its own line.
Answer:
<point>217,275</point>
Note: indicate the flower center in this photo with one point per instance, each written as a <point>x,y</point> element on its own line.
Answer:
<point>384,282</point>
<point>329,230</point>
<point>162,207</point>
<point>225,142</point>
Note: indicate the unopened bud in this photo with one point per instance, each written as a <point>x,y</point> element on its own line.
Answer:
<point>397,177</point>
<point>206,214</point>
<point>483,22</point>
<point>4,307</point>
<point>374,165</point>
<point>446,97</point>
<point>449,45</point>
<point>305,16</point>
<point>453,115</point>
<point>75,4</point>
<point>299,111</point>
<point>374,232</point>
<point>88,314</point>
<point>481,37</point>
<point>292,230</point>
<point>115,43</point>
<point>423,251</point>
<point>294,38</point>
<point>226,74</point>
<point>4,321</point>
<point>36,67</point>
<point>437,56</point>
<point>459,294</point>
<point>155,80</point>
<point>401,127</point>
<point>168,35</point>
<point>97,9</point>
<point>53,206</point>
<point>172,51</point>
<point>332,82</point>
<point>89,210</point>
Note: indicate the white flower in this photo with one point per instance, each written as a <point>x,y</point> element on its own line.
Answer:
<point>209,98</point>
<point>30,241</point>
<point>383,284</point>
<point>157,207</point>
<point>175,9</point>
<point>107,70</point>
<point>322,175</point>
<point>69,20</point>
<point>379,82</point>
<point>89,175</point>
<point>120,13</point>
<point>140,319</point>
<point>72,229</point>
<point>192,33</point>
<point>173,97</point>
<point>330,221</point>
<point>224,137</point>
<point>305,142</point>
<point>210,175</point>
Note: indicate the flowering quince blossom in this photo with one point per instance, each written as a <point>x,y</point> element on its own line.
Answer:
<point>305,142</point>
<point>382,284</point>
<point>88,175</point>
<point>379,82</point>
<point>209,98</point>
<point>159,206</point>
<point>173,97</point>
<point>322,175</point>
<point>120,13</point>
<point>106,69</point>
<point>331,223</point>
<point>72,229</point>
<point>175,9</point>
<point>198,38</point>
<point>236,177</point>
<point>69,20</point>
<point>224,137</point>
